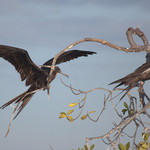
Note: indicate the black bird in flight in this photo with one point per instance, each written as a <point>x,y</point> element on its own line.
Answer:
<point>131,80</point>
<point>36,77</point>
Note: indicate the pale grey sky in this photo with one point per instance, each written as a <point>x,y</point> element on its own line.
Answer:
<point>43,28</point>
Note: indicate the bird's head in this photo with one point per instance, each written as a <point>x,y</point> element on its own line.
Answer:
<point>52,76</point>
<point>57,70</point>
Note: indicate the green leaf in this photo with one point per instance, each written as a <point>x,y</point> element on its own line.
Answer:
<point>70,111</point>
<point>70,118</point>
<point>145,136</point>
<point>92,147</point>
<point>73,104</point>
<point>84,117</point>
<point>124,111</point>
<point>91,111</point>
<point>62,115</point>
<point>121,146</point>
<point>125,104</point>
<point>85,146</point>
<point>127,146</point>
<point>142,146</point>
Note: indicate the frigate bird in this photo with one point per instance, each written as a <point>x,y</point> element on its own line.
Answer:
<point>131,80</point>
<point>140,74</point>
<point>35,77</point>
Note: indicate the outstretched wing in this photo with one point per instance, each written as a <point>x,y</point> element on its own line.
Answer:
<point>69,55</point>
<point>22,62</point>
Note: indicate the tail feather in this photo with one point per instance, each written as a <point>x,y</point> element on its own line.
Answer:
<point>24,98</point>
<point>120,81</point>
<point>13,100</point>
<point>117,81</point>
<point>127,90</point>
<point>127,80</point>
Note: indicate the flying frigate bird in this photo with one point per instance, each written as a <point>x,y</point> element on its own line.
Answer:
<point>131,80</point>
<point>38,78</point>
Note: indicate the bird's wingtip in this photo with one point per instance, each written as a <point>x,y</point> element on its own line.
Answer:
<point>94,52</point>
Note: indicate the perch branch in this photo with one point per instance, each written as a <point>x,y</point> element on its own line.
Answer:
<point>134,47</point>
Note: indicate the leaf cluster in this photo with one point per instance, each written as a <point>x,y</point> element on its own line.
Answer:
<point>127,109</point>
<point>86,148</point>
<point>145,144</point>
<point>122,147</point>
<point>68,113</point>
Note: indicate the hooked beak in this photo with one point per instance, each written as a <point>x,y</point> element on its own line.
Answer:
<point>64,74</point>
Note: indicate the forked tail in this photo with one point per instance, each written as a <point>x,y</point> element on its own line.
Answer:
<point>24,98</point>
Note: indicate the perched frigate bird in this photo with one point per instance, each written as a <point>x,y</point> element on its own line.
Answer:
<point>131,80</point>
<point>33,75</point>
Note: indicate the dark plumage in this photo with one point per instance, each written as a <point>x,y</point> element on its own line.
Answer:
<point>140,74</point>
<point>34,76</point>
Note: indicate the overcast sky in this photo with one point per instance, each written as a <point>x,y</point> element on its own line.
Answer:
<point>45,27</point>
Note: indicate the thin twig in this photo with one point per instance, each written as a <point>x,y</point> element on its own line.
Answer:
<point>50,147</point>
<point>127,121</point>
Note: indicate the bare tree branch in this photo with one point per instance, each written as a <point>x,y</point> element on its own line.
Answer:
<point>127,121</point>
<point>134,47</point>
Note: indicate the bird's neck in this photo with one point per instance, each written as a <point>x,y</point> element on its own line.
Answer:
<point>51,77</point>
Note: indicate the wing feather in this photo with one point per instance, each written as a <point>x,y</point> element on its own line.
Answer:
<point>21,60</point>
<point>69,55</point>
<point>142,73</point>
